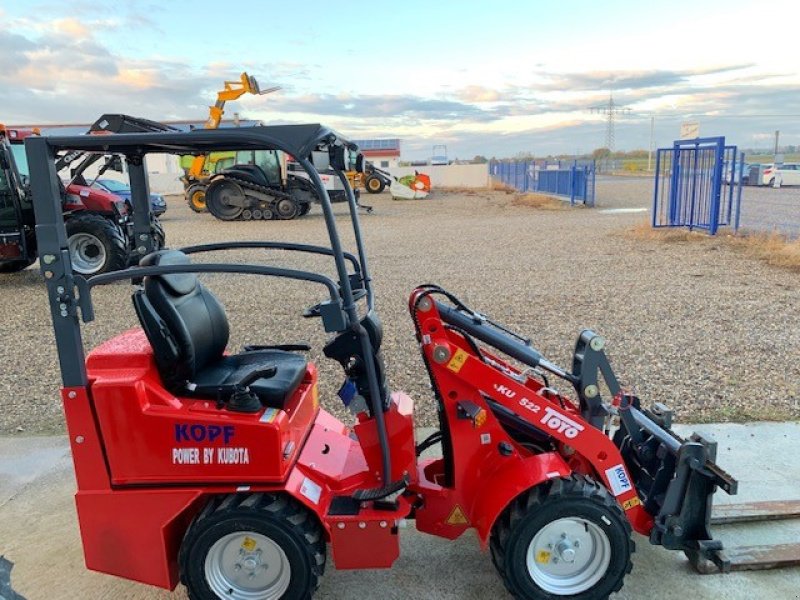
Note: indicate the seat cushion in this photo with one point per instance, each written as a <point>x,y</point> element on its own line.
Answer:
<point>272,391</point>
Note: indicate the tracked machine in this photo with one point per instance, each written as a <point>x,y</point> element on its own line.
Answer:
<point>234,480</point>
<point>257,187</point>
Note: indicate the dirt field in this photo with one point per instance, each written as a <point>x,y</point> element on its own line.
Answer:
<point>700,327</point>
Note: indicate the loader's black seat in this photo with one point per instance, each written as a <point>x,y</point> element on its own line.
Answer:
<point>188,330</point>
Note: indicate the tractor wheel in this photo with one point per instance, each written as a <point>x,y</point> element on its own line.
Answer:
<point>224,199</point>
<point>159,241</point>
<point>14,266</point>
<point>96,244</point>
<point>374,184</point>
<point>159,237</point>
<point>304,208</point>
<point>196,197</point>
<point>566,538</point>
<point>286,209</point>
<point>252,546</point>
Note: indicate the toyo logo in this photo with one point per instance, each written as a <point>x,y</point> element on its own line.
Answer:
<point>203,433</point>
<point>560,423</point>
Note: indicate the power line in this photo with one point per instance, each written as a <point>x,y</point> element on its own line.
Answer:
<point>610,110</point>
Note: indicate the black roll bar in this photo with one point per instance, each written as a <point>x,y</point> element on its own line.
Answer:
<point>84,286</point>
<point>290,246</point>
<point>351,312</point>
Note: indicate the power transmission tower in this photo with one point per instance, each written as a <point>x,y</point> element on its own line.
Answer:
<point>610,110</point>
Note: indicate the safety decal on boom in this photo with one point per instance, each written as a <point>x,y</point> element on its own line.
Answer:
<point>457,517</point>
<point>632,503</point>
<point>458,360</point>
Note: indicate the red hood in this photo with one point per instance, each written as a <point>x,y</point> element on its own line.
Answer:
<point>93,199</point>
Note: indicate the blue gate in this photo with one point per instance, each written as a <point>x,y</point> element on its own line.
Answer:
<point>569,179</point>
<point>698,185</point>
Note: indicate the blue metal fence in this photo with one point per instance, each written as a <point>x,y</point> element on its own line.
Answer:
<point>698,185</point>
<point>573,180</point>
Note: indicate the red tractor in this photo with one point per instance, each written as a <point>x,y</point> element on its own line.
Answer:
<point>219,469</point>
<point>99,225</point>
<point>95,220</point>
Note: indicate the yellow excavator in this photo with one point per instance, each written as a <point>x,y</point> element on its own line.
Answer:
<point>197,169</point>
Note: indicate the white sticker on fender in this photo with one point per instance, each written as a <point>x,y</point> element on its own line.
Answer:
<point>311,490</point>
<point>618,479</point>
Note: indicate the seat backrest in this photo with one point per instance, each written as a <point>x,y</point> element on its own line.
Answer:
<point>185,323</point>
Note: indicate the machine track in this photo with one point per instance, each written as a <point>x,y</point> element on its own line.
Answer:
<point>272,204</point>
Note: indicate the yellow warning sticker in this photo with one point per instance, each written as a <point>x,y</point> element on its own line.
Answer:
<point>457,517</point>
<point>543,556</point>
<point>458,360</point>
<point>629,504</point>
<point>249,544</point>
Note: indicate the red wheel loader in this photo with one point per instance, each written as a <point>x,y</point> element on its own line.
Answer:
<point>219,469</point>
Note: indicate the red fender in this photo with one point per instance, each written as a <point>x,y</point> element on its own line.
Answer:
<point>510,481</point>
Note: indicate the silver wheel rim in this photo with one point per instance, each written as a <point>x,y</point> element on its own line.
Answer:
<point>247,566</point>
<point>87,252</point>
<point>568,556</point>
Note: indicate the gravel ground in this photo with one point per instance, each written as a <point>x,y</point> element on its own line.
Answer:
<point>698,326</point>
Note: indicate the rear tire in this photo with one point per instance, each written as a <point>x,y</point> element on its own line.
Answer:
<point>374,184</point>
<point>159,237</point>
<point>159,241</point>
<point>219,195</point>
<point>97,244</point>
<point>252,546</point>
<point>196,197</point>
<point>567,538</point>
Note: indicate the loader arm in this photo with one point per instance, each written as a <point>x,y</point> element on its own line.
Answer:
<point>665,484</point>
<point>232,90</point>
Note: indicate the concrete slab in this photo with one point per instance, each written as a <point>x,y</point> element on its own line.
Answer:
<point>39,532</point>
<point>25,459</point>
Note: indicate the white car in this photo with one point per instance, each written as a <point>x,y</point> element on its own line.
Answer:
<point>785,174</point>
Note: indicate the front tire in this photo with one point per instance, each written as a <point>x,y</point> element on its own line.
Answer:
<point>567,538</point>
<point>374,184</point>
<point>244,546</point>
<point>196,197</point>
<point>96,244</point>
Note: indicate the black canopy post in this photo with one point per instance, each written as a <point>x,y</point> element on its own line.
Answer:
<point>55,262</point>
<point>352,313</point>
<point>362,255</point>
<point>140,199</point>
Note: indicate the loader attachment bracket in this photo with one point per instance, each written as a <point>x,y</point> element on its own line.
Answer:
<point>676,480</point>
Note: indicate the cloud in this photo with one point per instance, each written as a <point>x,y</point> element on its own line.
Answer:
<point>410,106</point>
<point>58,70</point>
<point>14,49</point>
<point>479,93</point>
<point>627,80</point>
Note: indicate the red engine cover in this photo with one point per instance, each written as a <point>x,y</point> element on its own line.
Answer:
<point>152,436</point>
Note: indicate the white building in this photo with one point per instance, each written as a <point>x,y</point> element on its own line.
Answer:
<point>384,153</point>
